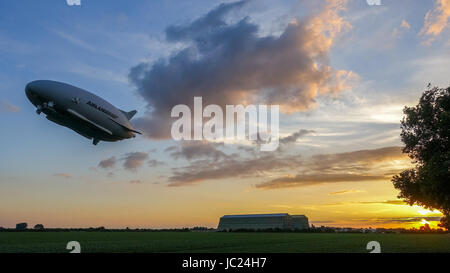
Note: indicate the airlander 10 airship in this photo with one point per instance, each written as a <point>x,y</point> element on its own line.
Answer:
<point>80,110</point>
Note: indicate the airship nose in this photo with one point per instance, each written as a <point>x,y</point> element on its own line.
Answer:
<point>31,90</point>
<point>28,90</point>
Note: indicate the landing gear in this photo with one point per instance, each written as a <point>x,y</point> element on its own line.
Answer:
<point>95,141</point>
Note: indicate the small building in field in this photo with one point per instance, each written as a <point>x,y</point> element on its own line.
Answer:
<point>21,226</point>
<point>282,221</point>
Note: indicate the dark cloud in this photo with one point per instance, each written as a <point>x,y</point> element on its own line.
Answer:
<point>357,161</point>
<point>375,155</point>
<point>133,161</point>
<point>232,167</point>
<point>191,150</point>
<point>230,63</point>
<point>341,167</point>
<point>154,163</point>
<point>293,137</point>
<point>108,163</point>
<point>354,166</point>
<point>322,222</point>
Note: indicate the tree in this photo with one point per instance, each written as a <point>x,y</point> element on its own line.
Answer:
<point>426,135</point>
<point>39,227</point>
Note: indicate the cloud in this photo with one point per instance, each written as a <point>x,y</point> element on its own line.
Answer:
<point>65,175</point>
<point>405,219</point>
<point>137,181</point>
<point>154,163</point>
<point>108,163</point>
<point>231,167</point>
<point>344,192</point>
<point>97,73</point>
<point>387,202</point>
<point>75,41</point>
<point>405,24</point>
<point>293,137</point>
<point>7,107</point>
<point>357,166</point>
<point>191,150</point>
<point>436,20</point>
<point>398,30</point>
<point>134,160</point>
<point>314,179</point>
<point>230,63</point>
<point>355,161</point>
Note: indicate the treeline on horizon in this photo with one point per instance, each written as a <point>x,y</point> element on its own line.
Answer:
<point>323,229</point>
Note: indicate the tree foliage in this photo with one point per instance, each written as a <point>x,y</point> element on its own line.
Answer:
<point>426,135</point>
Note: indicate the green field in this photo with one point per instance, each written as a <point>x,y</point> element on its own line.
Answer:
<point>213,242</point>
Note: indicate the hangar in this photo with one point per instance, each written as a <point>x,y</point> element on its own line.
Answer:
<point>263,221</point>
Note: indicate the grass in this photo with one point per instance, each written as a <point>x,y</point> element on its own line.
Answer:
<point>215,242</point>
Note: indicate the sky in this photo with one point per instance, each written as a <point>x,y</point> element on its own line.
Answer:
<point>341,71</point>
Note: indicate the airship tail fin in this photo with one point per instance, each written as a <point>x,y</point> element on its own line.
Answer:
<point>130,114</point>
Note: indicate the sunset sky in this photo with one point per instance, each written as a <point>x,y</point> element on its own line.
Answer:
<point>341,71</point>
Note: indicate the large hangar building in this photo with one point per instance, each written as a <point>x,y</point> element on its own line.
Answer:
<point>263,221</point>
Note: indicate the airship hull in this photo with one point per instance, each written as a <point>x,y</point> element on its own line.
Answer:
<point>83,112</point>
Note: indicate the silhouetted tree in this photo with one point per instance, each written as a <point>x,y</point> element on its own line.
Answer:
<point>39,227</point>
<point>426,133</point>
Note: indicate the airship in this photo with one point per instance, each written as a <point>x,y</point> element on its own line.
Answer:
<point>82,111</point>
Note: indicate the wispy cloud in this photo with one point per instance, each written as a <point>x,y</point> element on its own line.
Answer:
<point>7,107</point>
<point>154,163</point>
<point>64,175</point>
<point>134,160</point>
<point>357,166</point>
<point>98,73</point>
<point>192,150</point>
<point>233,167</point>
<point>344,192</point>
<point>292,138</point>
<point>75,41</point>
<point>387,202</point>
<point>314,179</point>
<point>436,20</point>
<point>108,163</point>
<point>401,219</point>
<point>403,27</point>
